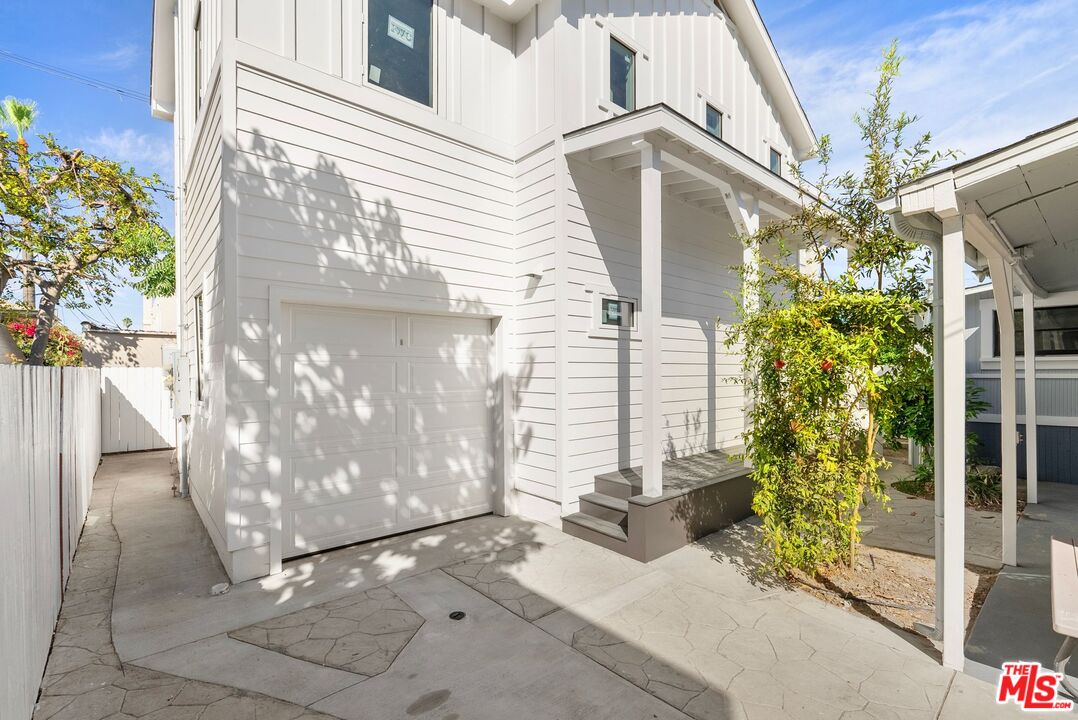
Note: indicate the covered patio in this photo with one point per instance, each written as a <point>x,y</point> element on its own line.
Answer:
<point>1011,214</point>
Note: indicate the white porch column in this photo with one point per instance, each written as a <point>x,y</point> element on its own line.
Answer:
<point>951,438</point>
<point>651,316</point>
<point>1029,362</point>
<point>1002,291</point>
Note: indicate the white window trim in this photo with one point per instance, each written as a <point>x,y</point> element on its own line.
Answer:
<point>769,147</point>
<point>1044,362</point>
<point>643,59</point>
<point>596,328</point>
<point>703,99</point>
<point>436,24</point>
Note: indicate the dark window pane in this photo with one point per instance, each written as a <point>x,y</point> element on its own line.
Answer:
<point>776,161</point>
<point>1056,332</point>
<point>622,75</point>
<point>618,313</point>
<point>399,47</point>
<point>713,122</point>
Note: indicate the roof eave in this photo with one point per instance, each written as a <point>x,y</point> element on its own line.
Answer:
<point>163,60</point>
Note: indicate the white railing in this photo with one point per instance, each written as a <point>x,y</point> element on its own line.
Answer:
<point>49,451</point>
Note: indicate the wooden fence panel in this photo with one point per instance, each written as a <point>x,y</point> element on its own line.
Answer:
<point>136,413</point>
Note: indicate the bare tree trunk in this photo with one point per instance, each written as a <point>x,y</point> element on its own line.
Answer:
<point>46,316</point>
<point>28,295</point>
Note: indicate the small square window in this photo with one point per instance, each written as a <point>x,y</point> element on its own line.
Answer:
<point>616,313</point>
<point>622,75</point>
<point>713,121</point>
<point>776,161</point>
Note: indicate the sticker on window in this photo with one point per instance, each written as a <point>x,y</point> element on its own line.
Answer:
<point>401,32</point>
<point>376,74</point>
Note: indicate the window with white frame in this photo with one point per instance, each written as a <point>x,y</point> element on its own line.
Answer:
<point>198,58</point>
<point>1055,331</point>
<point>400,48</point>
<point>713,120</point>
<point>612,316</point>
<point>622,75</point>
<point>775,161</point>
<point>198,346</point>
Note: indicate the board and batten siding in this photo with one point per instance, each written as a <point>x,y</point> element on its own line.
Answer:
<point>331,195</point>
<point>702,410</point>
<point>687,52</point>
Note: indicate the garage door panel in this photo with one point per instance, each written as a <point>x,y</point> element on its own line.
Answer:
<point>323,526</point>
<point>446,502</point>
<point>331,424</point>
<point>320,328</point>
<point>431,376</point>
<point>463,459</point>
<point>344,474</point>
<point>337,379</point>
<point>449,336</point>
<point>384,424</point>
<point>427,417</point>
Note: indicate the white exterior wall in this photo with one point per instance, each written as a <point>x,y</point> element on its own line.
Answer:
<point>299,177</point>
<point>702,410</point>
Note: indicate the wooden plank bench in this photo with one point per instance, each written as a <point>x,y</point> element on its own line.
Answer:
<point>1065,602</point>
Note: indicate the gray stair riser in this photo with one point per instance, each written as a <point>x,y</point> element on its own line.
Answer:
<point>620,490</point>
<point>617,517</point>
<point>596,538</point>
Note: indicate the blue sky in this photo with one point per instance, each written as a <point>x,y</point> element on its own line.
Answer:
<point>979,74</point>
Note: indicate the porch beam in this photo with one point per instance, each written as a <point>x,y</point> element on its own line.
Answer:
<point>651,302</point>
<point>1008,422</point>
<point>613,150</point>
<point>1029,364</point>
<point>951,441</point>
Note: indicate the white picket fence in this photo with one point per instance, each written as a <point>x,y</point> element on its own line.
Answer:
<point>49,451</point>
<point>136,410</point>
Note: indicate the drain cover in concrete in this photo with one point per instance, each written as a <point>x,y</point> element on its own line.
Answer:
<point>361,633</point>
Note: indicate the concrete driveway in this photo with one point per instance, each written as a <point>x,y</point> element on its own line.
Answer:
<point>551,627</point>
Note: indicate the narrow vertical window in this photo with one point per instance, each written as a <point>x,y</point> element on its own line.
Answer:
<point>198,58</point>
<point>776,161</point>
<point>198,346</point>
<point>713,121</point>
<point>622,76</point>
<point>400,47</point>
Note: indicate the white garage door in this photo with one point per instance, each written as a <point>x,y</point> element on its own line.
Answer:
<point>384,423</point>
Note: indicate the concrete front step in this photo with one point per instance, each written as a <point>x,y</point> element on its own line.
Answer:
<point>605,507</point>
<point>600,532</point>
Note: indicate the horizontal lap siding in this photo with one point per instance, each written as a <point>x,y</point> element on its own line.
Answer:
<point>203,268</point>
<point>331,195</point>
<point>702,405</point>
<point>533,367</point>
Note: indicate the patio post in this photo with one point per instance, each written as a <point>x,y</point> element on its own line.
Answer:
<point>1029,364</point>
<point>651,317</point>
<point>1002,290</point>
<point>951,440</point>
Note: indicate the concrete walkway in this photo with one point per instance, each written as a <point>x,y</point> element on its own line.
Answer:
<point>552,627</point>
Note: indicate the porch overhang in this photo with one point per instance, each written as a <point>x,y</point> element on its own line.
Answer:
<point>697,167</point>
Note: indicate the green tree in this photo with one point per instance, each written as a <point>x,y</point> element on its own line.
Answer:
<point>19,116</point>
<point>77,222</point>
<point>831,356</point>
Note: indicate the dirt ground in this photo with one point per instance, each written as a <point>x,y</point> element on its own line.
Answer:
<point>897,589</point>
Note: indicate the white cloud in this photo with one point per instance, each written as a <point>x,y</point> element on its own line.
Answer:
<point>148,153</point>
<point>123,57</point>
<point>980,76</point>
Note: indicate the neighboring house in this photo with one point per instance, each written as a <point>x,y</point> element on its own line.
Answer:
<point>159,314</point>
<point>110,347</point>
<point>1056,330</point>
<point>424,245</point>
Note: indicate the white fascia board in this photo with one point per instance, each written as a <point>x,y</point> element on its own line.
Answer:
<point>680,138</point>
<point>753,32</point>
<point>163,60</point>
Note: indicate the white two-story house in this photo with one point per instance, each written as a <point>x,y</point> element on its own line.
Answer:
<point>441,258</point>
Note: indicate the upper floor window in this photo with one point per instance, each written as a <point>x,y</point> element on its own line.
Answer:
<point>713,121</point>
<point>622,75</point>
<point>775,162</point>
<point>1055,331</point>
<point>400,47</point>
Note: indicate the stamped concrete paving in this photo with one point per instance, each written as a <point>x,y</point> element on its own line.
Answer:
<point>552,627</point>
<point>84,678</point>
<point>361,633</point>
